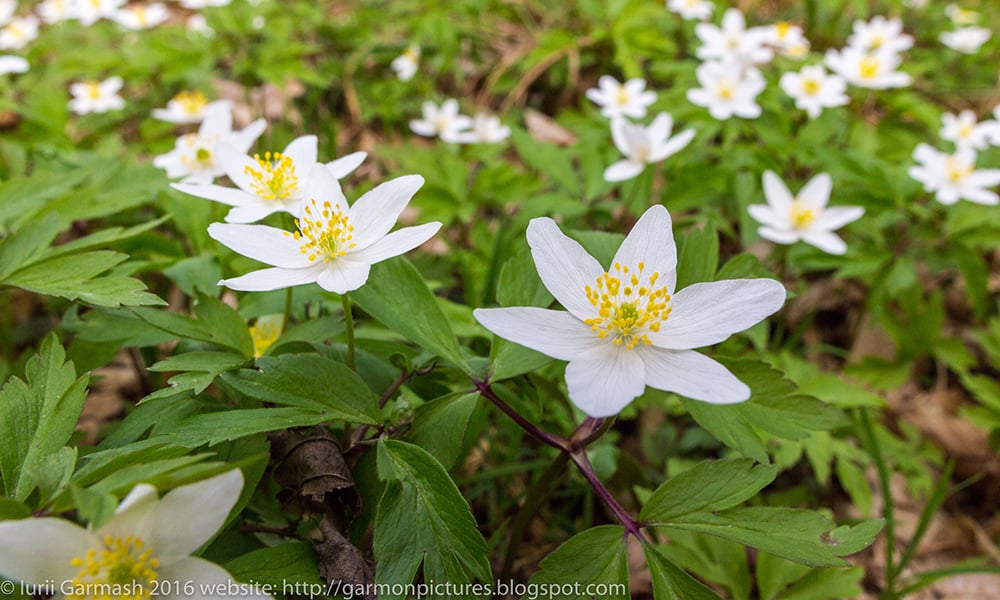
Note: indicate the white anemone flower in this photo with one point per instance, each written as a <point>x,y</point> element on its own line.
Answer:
<point>813,89</point>
<point>405,65</point>
<point>873,70</point>
<point>187,107</point>
<point>7,10</point>
<point>96,96</point>
<point>267,184</point>
<point>55,11</point>
<point>961,17</point>
<point>965,131</point>
<point>92,11</point>
<point>627,326</point>
<point>12,64</point>
<point>967,40</point>
<point>692,9</point>
<point>880,35</point>
<point>728,90</point>
<point>444,121</point>
<point>194,155</point>
<point>733,41</point>
<point>629,99</point>
<point>335,244</point>
<point>199,4</point>
<point>139,16</point>
<point>786,219</point>
<point>952,177</point>
<point>18,33</point>
<point>644,145</point>
<point>149,540</point>
<point>486,129</point>
<point>788,39</point>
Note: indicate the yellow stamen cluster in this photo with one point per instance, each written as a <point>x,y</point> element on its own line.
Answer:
<point>622,97</point>
<point>191,103</point>
<point>782,28</point>
<point>263,334</point>
<point>93,90</point>
<point>275,178</point>
<point>629,305</point>
<point>957,170</point>
<point>869,66</point>
<point>124,569</point>
<point>324,232</point>
<point>810,86</point>
<point>800,215</point>
<point>725,89</point>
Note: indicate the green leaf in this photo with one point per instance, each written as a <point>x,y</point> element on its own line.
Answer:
<point>52,473</point>
<point>548,159</point>
<point>698,256</point>
<point>12,509</point>
<point>708,486</point>
<point>671,582</point>
<point>76,277</point>
<point>212,428</point>
<point>21,247</point>
<point>309,381</point>
<point>423,518</point>
<point>593,557</point>
<point>293,563</point>
<point>38,417</point>
<point>201,368</point>
<point>217,324</point>
<point>96,508</point>
<point>436,425</point>
<point>397,296</point>
<point>782,579</point>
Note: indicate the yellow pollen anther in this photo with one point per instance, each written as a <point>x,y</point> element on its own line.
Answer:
<point>203,154</point>
<point>725,90</point>
<point>810,86</point>
<point>782,28</point>
<point>957,170</point>
<point>122,569</point>
<point>627,314</point>
<point>869,66</point>
<point>191,103</point>
<point>93,90</point>
<point>275,178</point>
<point>801,216</point>
<point>622,97</point>
<point>327,235</point>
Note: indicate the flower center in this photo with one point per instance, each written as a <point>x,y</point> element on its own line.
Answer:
<point>957,170</point>
<point>412,53</point>
<point>191,103</point>
<point>965,131</point>
<point>263,334</point>
<point>629,305</point>
<point>877,40</point>
<point>733,41</point>
<point>810,86</point>
<point>782,28</point>
<point>275,179</point>
<point>869,66</point>
<point>725,89</point>
<point>124,568</point>
<point>325,232</point>
<point>800,215</point>
<point>93,90</point>
<point>203,155</point>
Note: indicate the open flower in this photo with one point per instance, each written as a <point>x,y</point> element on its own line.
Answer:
<point>733,41</point>
<point>629,99</point>
<point>138,17</point>
<point>786,219</point>
<point>443,121</point>
<point>874,70</point>
<point>199,4</point>
<point>12,64</point>
<point>813,89</point>
<point>965,131</point>
<point>628,327</point>
<point>148,540</point>
<point>194,155</point>
<point>644,145</point>
<point>486,129</point>
<point>268,184</point>
<point>788,39</point>
<point>954,176</point>
<point>880,35</point>
<point>967,40</point>
<point>96,96</point>
<point>727,89</point>
<point>54,11</point>
<point>187,107</point>
<point>92,11</point>
<point>335,245</point>
<point>691,9</point>
<point>16,34</point>
<point>960,16</point>
<point>7,10</point>
<point>405,65</point>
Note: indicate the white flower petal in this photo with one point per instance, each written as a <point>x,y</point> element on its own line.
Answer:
<point>36,550</point>
<point>762,213</point>
<point>693,375</point>
<point>343,275</point>
<point>216,193</point>
<point>205,577</point>
<point>396,243</point>
<point>623,170</point>
<point>345,165</point>
<point>836,217</point>
<point>779,236</point>
<point>816,193</point>
<point>188,516</point>
<point>277,278</point>
<point>323,187</point>
<point>303,152</point>
<point>269,245</point>
<point>603,385</point>
<point>375,213</point>
<point>707,313</point>
<point>253,212</point>
<point>236,164</point>
<point>242,140</point>
<point>555,333</point>
<point>827,241</point>
<point>651,241</point>
<point>132,517</point>
<point>777,193</point>
<point>673,145</point>
<point>563,265</point>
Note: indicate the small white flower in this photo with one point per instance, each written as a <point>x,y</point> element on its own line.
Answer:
<point>961,17</point>
<point>187,107</point>
<point>194,155</point>
<point>967,40</point>
<point>12,64</point>
<point>786,219</point>
<point>258,22</point>
<point>199,4</point>
<point>644,145</point>
<point>954,176</point>
<point>405,65</point>
<point>692,9</point>
<point>147,541</point>
<point>96,96</point>
<point>18,32</point>
<point>788,39</point>
<point>92,11</point>
<point>335,245</point>
<point>733,41</point>
<point>880,35</point>
<point>198,24</point>
<point>443,121</point>
<point>7,10</point>
<point>54,11</point>
<point>965,131</point>
<point>813,89</point>
<point>728,90</point>
<point>629,99</point>
<point>875,70</point>
<point>486,129</point>
<point>139,16</point>
<point>628,327</point>
<point>273,183</point>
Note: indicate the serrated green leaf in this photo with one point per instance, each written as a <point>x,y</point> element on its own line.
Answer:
<point>212,428</point>
<point>201,368</point>
<point>595,556</point>
<point>708,486</point>
<point>217,324</point>
<point>436,424</point>
<point>21,247</point>
<point>75,276</point>
<point>671,582</point>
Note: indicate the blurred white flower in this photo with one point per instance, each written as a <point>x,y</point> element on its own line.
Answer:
<point>952,177</point>
<point>198,4</point>
<point>961,17</point>
<point>198,24</point>
<point>139,16</point>
<point>869,70</point>
<point>692,9</point>
<point>965,131</point>
<point>813,89</point>
<point>486,129</point>
<point>629,99</point>
<point>7,10</point>
<point>733,41</point>
<point>880,35</point>
<point>267,184</point>
<point>12,64</point>
<point>786,219</point>
<point>916,3</point>
<point>443,121</point>
<point>967,40</point>
<point>194,155</point>
<point>627,327</point>
<point>265,331</point>
<point>258,22</point>
<point>187,107</point>
<point>644,145</point>
<point>18,32</point>
<point>92,11</point>
<point>335,245</point>
<point>788,39</point>
<point>54,11</point>
<point>96,96</point>
<point>728,90</point>
<point>405,65</point>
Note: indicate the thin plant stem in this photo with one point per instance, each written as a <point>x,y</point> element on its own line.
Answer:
<point>287,315</point>
<point>579,458</point>
<point>483,387</point>
<point>349,330</point>
<point>888,511</point>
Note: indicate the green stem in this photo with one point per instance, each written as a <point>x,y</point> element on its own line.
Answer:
<point>288,310</point>
<point>868,433</point>
<point>349,330</point>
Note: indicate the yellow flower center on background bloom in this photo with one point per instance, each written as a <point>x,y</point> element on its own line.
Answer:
<point>93,90</point>
<point>810,86</point>
<point>191,103</point>
<point>622,98</point>
<point>965,131</point>
<point>629,305</point>
<point>263,334</point>
<point>124,568</point>
<point>276,179</point>
<point>957,170</point>
<point>877,40</point>
<point>800,215</point>
<point>412,53</point>
<point>327,235</point>
<point>725,90</point>
<point>869,66</point>
<point>782,28</point>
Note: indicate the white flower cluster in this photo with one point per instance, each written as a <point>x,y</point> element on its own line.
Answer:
<point>447,123</point>
<point>966,37</point>
<point>953,176</point>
